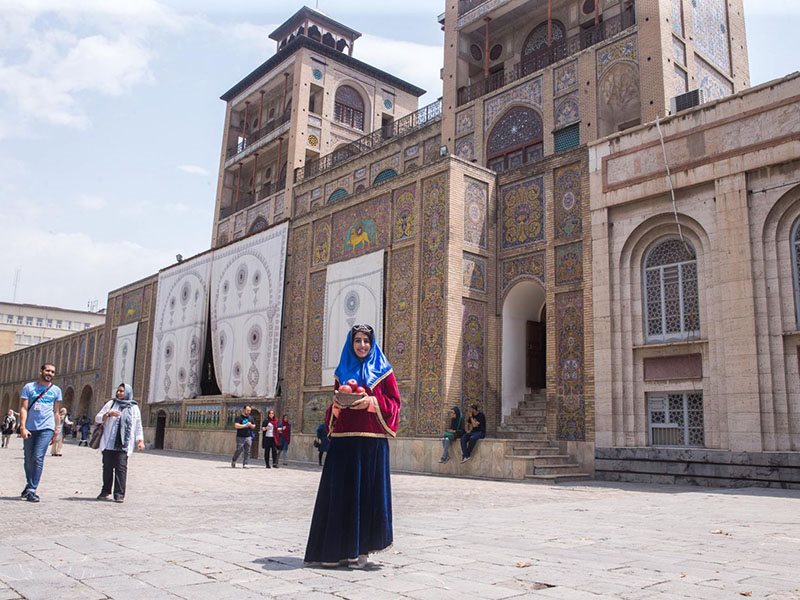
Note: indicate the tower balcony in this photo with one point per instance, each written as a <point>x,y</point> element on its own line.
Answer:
<point>259,138</point>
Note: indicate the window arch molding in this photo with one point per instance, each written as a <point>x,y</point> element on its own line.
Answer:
<point>537,38</point>
<point>515,138</point>
<point>351,106</point>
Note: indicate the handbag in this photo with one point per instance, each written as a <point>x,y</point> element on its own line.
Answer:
<point>97,434</point>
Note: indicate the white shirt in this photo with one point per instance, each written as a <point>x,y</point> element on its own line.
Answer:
<point>111,425</point>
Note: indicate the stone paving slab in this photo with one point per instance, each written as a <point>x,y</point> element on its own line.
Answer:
<point>193,528</point>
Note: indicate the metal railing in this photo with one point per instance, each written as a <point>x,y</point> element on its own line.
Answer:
<point>402,127</point>
<point>548,55</point>
<point>253,136</point>
<point>247,199</point>
<point>464,6</point>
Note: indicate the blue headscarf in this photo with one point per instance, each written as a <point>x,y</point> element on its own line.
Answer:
<point>366,372</point>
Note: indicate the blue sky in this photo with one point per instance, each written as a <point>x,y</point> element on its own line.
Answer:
<point>111,123</point>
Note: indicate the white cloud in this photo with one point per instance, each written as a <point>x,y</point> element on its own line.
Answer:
<point>193,170</point>
<point>89,202</point>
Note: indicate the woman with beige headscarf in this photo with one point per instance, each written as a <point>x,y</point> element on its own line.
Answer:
<point>58,439</point>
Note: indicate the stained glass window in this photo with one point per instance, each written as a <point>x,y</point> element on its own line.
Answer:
<point>676,418</point>
<point>538,37</point>
<point>671,299</point>
<point>796,269</point>
<point>515,140</point>
<point>348,107</point>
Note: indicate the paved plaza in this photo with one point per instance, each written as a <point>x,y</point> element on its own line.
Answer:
<point>191,527</point>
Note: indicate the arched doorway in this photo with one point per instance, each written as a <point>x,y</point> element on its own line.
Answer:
<point>255,415</point>
<point>68,399</point>
<point>524,352</point>
<point>161,427</point>
<point>85,405</point>
<point>5,405</point>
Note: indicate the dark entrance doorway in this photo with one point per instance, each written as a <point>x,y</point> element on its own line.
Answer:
<point>536,354</point>
<point>161,426</point>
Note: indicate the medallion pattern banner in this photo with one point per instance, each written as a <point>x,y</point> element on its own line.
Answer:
<point>530,266</point>
<point>314,329</point>
<point>473,363</point>
<point>405,212</point>
<point>400,323</point>
<point>124,355</point>
<point>568,202</point>
<point>361,229</point>
<point>353,294</point>
<point>322,243</point>
<point>522,212</point>
<point>432,305</point>
<point>571,423</point>
<point>179,332</point>
<point>246,311</point>
<point>474,272</point>
<point>476,207</point>
<point>569,264</point>
<point>529,93</point>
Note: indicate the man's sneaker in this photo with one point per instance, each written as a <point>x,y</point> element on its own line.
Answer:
<point>24,492</point>
<point>119,499</point>
<point>102,496</point>
<point>32,497</point>
<point>465,459</point>
<point>233,465</point>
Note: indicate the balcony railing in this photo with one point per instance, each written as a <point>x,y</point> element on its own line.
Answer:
<point>412,122</point>
<point>247,199</point>
<point>253,136</point>
<point>464,6</point>
<point>548,55</point>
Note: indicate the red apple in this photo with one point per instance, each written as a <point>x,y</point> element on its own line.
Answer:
<point>352,383</point>
<point>345,389</point>
<point>360,390</point>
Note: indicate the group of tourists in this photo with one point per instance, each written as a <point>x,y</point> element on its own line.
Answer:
<point>468,429</point>
<point>275,440</point>
<point>42,422</point>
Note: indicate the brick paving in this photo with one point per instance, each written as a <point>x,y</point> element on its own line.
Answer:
<point>192,527</point>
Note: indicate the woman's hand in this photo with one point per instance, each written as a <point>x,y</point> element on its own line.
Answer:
<point>140,445</point>
<point>362,403</point>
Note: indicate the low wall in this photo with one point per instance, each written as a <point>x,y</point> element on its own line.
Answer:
<point>702,467</point>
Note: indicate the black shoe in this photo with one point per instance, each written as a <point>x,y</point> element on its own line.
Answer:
<point>276,466</point>
<point>24,492</point>
<point>119,499</point>
<point>269,467</point>
<point>102,496</point>
<point>32,497</point>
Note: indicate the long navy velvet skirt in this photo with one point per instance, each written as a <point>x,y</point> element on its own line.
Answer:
<point>353,512</point>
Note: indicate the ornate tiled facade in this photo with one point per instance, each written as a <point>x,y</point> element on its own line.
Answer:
<point>432,304</point>
<point>710,25</point>
<point>567,110</point>
<point>400,322</point>
<point>678,51</point>
<point>473,362</point>
<point>522,213</point>
<point>474,272</point>
<point>571,425</point>
<point>343,183</point>
<point>465,147</point>
<point>569,264</point>
<point>322,242</point>
<point>131,307</point>
<point>315,329</point>
<point>465,122</point>
<point>622,50</point>
<point>390,162</point>
<point>405,212</point>
<point>568,202</point>
<point>363,228</point>
<point>314,406</point>
<point>529,93</point>
<point>565,78</point>
<point>530,266</point>
<point>713,84</point>
<point>300,258</point>
<point>677,16</point>
<point>476,205</point>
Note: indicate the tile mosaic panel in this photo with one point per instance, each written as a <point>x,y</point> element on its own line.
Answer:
<point>431,149</point>
<point>569,264</point>
<point>565,78</point>
<point>405,213</point>
<point>622,50</point>
<point>465,147</point>
<point>465,122</point>
<point>400,323</point>
<point>677,17</point>
<point>568,202</point>
<point>314,328</point>
<point>360,229</point>
<point>713,84</point>
<point>571,420</point>
<point>681,80</point>
<point>476,207</point>
<point>432,305</point>
<point>390,162</point>
<point>710,24</point>
<point>322,242</point>
<point>473,353</point>
<point>300,257</point>
<point>529,93</point>
<point>473,271</point>
<point>360,173</point>
<point>567,109</point>
<point>530,266</point>
<point>405,427</point>
<point>522,213</point>
<point>132,306</point>
<point>314,406</point>
<point>344,183</point>
<point>678,51</point>
<point>411,151</point>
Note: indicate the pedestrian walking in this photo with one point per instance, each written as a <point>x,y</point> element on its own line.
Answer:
<point>85,427</point>
<point>353,511</point>
<point>122,431</point>
<point>57,446</point>
<point>321,441</point>
<point>9,425</point>
<point>39,420</point>
<point>285,435</point>
<point>244,436</point>
<point>271,439</point>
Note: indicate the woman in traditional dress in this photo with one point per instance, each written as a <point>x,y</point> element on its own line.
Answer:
<point>270,439</point>
<point>353,511</point>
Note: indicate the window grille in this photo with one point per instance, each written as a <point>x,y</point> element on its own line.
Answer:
<point>348,107</point>
<point>384,175</point>
<point>796,269</point>
<point>567,138</point>
<point>174,417</point>
<point>336,195</point>
<point>203,416</point>
<point>676,419</point>
<point>671,298</point>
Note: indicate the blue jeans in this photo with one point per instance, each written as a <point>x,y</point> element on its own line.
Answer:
<point>468,441</point>
<point>35,450</point>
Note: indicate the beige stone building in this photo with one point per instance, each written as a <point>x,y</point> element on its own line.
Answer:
<point>24,325</point>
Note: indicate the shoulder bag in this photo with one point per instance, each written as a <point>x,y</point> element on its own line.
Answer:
<point>97,434</point>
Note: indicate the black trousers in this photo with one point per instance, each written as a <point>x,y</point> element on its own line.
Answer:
<point>115,471</point>
<point>270,447</point>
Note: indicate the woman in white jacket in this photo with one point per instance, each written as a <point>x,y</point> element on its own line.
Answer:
<point>122,428</point>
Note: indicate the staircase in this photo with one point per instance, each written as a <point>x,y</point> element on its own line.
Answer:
<point>526,430</point>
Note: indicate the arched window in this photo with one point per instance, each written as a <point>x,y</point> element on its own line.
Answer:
<point>538,38</point>
<point>336,195</point>
<point>671,299</point>
<point>260,224</point>
<point>796,269</point>
<point>384,175</point>
<point>515,140</point>
<point>348,107</point>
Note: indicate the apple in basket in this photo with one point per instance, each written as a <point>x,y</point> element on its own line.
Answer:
<point>345,388</point>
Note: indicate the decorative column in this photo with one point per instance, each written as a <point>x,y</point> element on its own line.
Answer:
<point>486,48</point>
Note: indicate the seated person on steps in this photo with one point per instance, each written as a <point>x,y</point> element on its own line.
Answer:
<point>475,426</point>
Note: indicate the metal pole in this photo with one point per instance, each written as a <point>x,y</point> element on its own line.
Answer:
<point>486,49</point>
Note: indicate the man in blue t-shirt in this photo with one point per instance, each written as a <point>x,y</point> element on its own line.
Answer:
<point>39,419</point>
